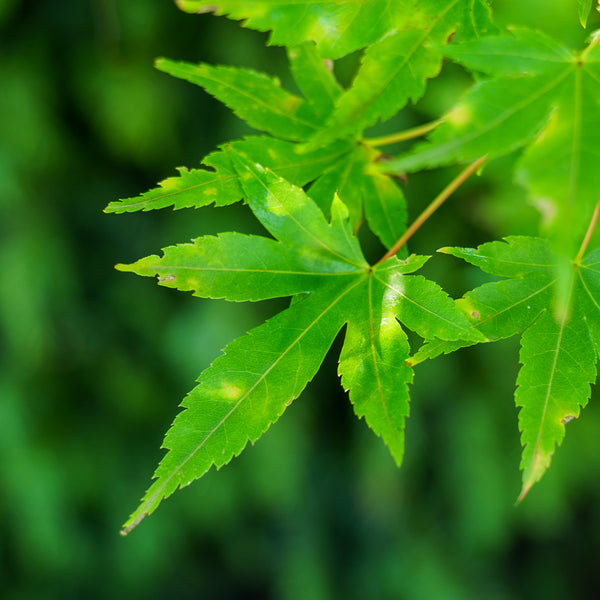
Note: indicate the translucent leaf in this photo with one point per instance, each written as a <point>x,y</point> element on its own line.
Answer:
<point>337,26</point>
<point>321,264</point>
<point>558,349</point>
<point>237,267</point>
<point>527,52</point>
<point>242,393</point>
<point>554,383</point>
<point>543,98</point>
<point>495,117</point>
<point>372,365</point>
<point>394,70</point>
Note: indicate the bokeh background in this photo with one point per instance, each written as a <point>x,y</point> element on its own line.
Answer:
<point>93,363</point>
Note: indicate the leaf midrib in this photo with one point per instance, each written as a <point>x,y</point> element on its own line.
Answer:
<point>157,493</point>
<point>270,107</point>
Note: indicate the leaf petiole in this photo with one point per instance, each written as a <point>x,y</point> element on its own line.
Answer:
<point>595,40</point>
<point>588,235</point>
<point>435,204</point>
<point>402,136</point>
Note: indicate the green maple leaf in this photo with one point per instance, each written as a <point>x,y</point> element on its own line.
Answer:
<point>344,167</point>
<point>321,264</point>
<point>401,36</point>
<point>395,69</point>
<point>337,26</point>
<point>558,350</point>
<point>539,96</point>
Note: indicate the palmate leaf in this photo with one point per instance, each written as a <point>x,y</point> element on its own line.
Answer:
<point>395,69</point>
<point>248,387</point>
<point>540,96</point>
<point>344,167</point>
<point>558,351</point>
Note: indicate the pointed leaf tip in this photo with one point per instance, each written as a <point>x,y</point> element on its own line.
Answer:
<point>585,7</point>
<point>132,523</point>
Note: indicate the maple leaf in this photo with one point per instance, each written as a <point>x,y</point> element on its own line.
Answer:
<point>395,69</point>
<point>558,350</point>
<point>402,37</point>
<point>344,167</point>
<point>321,264</point>
<point>337,26</point>
<point>540,96</point>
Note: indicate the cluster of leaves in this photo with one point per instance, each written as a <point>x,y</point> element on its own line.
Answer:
<point>312,180</point>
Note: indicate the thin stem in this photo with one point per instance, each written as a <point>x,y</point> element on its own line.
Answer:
<point>595,41</point>
<point>588,234</point>
<point>402,136</point>
<point>441,198</point>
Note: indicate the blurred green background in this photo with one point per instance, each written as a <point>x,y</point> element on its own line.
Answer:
<point>94,362</point>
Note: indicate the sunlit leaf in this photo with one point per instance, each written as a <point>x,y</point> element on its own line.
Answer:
<point>321,263</point>
<point>540,96</point>
<point>558,350</point>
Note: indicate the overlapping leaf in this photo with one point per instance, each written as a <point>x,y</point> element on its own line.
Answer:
<point>541,96</point>
<point>342,167</point>
<point>402,36</point>
<point>337,26</point>
<point>248,387</point>
<point>558,351</point>
<point>395,69</point>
